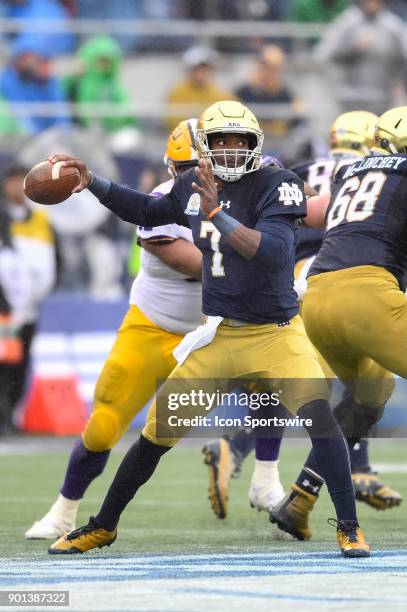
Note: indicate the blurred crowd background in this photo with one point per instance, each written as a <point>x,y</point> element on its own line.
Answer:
<point>108,81</point>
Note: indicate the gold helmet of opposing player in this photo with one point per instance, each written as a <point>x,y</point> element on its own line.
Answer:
<point>233,118</point>
<point>181,152</point>
<point>391,131</point>
<point>353,133</point>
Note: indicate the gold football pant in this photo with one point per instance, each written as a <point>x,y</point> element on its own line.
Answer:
<point>301,269</point>
<point>357,319</point>
<point>241,351</point>
<point>141,354</point>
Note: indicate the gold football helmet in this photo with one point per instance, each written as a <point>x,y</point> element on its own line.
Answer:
<point>353,133</point>
<point>233,118</point>
<point>181,153</point>
<point>391,131</point>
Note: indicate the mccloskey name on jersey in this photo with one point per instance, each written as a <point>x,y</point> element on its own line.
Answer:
<point>377,162</point>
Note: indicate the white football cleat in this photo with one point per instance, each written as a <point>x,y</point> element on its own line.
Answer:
<point>266,490</point>
<point>49,528</point>
<point>59,520</point>
<point>265,498</point>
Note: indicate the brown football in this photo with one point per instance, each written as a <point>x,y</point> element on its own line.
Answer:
<point>48,183</point>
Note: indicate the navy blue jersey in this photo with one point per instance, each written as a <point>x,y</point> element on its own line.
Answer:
<point>366,220</point>
<point>232,286</point>
<point>319,174</point>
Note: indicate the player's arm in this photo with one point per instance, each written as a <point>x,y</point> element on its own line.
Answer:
<point>128,204</point>
<point>178,254</point>
<point>271,242</point>
<point>316,210</point>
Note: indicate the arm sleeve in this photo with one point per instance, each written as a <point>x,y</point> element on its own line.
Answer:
<point>142,209</point>
<point>277,241</point>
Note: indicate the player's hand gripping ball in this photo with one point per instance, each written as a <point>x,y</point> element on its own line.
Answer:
<point>48,183</point>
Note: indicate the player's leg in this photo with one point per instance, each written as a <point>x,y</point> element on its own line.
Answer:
<point>224,458</point>
<point>331,327</point>
<point>378,324</point>
<point>269,449</point>
<point>266,490</point>
<point>158,437</point>
<point>368,487</point>
<point>330,455</point>
<point>141,354</point>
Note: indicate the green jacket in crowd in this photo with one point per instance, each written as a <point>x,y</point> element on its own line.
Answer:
<point>8,123</point>
<point>100,82</point>
<point>317,11</point>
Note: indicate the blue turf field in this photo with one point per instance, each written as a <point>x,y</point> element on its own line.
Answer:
<point>219,582</point>
<point>173,555</point>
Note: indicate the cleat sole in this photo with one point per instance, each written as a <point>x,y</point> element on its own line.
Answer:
<point>70,551</point>
<point>355,554</point>
<point>109,543</point>
<point>292,531</point>
<point>218,507</point>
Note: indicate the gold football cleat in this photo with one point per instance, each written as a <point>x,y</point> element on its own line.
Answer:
<point>292,513</point>
<point>222,465</point>
<point>83,539</point>
<point>350,539</point>
<point>371,491</point>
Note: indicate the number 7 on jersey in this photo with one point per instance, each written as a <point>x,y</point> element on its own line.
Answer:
<point>207,227</point>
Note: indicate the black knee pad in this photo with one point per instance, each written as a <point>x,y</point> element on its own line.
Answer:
<point>356,420</point>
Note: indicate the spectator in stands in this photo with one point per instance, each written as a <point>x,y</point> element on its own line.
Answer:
<point>9,125</point>
<point>198,89</point>
<point>100,82</point>
<point>28,79</point>
<point>315,11</point>
<point>368,44</point>
<point>57,42</point>
<point>267,86</point>
<point>13,289</point>
<point>34,240</point>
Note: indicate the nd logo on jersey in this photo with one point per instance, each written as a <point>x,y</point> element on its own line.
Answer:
<point>290,194</point>
<point>193,205</point>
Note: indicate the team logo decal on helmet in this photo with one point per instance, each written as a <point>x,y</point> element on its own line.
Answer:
<point>228,117</point>
<point>391,131</point>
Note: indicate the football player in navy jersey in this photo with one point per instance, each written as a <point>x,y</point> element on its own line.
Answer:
<point>351,136</point>
<point>355,307</point>
<point>253,327</point>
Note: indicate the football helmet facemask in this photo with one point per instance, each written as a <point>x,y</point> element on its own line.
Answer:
<point>353,133</point>
<point>180,154</point>
<point>228,117</point>
<point>391,131</point>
